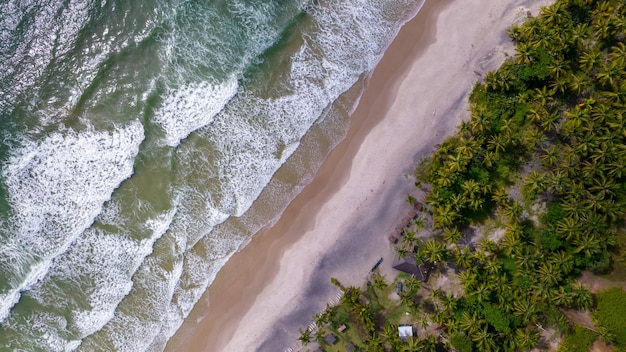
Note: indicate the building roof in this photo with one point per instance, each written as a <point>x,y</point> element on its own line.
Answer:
<point>405,331</point>
<point>330,339</point>
<point>350,348</point>
<point>407,265</point>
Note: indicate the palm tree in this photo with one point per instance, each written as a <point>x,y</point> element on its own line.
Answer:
<point>582,297</point>
<point>567,228</point>
<point>380,282</point>
<point>462,256</point>
<point>409,238</point>
<point>526,338</point>
<point>548,274</point>
<point>321,319</point>
<point>607,335</point>
<point>407,299</point>
<point>500,196</point>
<point>480,338</point>
<point>435,251</point>
<point>564,261</point>
<point>305,336</point>
<point>535,183</point>
<point>402,252</point>
<point>524,309</point>
<point>470,322</point>
<point>413,285</point>
<point>544,96</point>
<point>525,260</point>
<point>452,234</point>
<point>513,211</point>
<point>374,344</point>
<point>550,156</point>
<point>467,278</point>
<point>482,292</point>
<point>589,59</point>
<point>587,244</point>
<point>445,217</point>
<point>390,335</point>
<point>470,187</point>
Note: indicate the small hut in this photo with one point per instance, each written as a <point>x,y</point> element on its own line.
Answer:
<point>350,348</point>
<point>330,339</point>
<point>408,265</point>
<point>405,331</point>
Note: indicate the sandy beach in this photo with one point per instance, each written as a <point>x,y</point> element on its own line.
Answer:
<point>338,225</point>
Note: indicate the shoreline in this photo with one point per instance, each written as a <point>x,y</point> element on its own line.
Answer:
<point>338,225</point>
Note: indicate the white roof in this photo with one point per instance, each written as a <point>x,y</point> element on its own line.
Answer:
<point>405,331</point>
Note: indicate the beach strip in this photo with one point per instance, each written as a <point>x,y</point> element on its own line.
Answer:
<point>339,224</point>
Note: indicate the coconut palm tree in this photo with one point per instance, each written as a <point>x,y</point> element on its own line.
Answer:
<point>471,322</point>
<point>524,309</point>
<point>305,336</point>
<point>582,297</point>
<point>587,244</point>
<point>413,285</point>
<point>526,338</point>
<point>513,211</point>
<point>435,251</point>
<point>462,256</point>
<point>452,235</point>
<point>567,228</point>
<point>549,274</point>
<point>563,260</point>
<point>379,281</point>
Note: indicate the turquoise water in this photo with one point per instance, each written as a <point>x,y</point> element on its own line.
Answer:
<point>144,142</point>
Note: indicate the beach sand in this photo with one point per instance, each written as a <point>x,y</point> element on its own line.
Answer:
<point>338,225</point>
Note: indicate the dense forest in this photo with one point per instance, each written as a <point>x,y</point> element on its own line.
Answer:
<point>543,160</point>
<point>550,123</point>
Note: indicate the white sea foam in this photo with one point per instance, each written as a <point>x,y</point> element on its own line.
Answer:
<point>191,107</point>
<point>232,160</point>
<point>139,316</point>
<point>93,276</point>
<point>255,135</point>
<point>56,188</point>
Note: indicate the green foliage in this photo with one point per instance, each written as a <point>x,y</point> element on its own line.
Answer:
<point>611,313</point>
<point>556,109</point>
<point>553,215</point>
<point>461,342</point>
<point>538,71</point>
<point>498,319</point>
<point>550,241</point>
<point>550,123</point>
<point>579,339</point>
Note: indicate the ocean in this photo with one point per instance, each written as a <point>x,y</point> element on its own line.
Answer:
<point>144,142</point>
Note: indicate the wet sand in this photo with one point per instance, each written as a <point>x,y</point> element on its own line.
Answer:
<point>338,225</point>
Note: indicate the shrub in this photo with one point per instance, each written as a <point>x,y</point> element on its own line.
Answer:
<point>579,340</point>
<point>461,342</point>
<point>610,313</point>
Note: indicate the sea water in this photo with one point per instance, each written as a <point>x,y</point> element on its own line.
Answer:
<point>143,142</point>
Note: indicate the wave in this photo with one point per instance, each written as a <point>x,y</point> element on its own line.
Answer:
<point>112,239</point>
<point>192,107</point>
<point>237,155</point>
<point>56,188</point>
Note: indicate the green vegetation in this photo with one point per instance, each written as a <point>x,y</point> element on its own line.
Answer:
<point>543,160</point>
<point>580,340</point>
<point>551,124</point>
<point>611,315</point>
